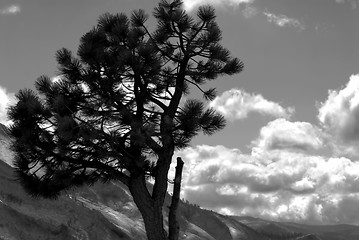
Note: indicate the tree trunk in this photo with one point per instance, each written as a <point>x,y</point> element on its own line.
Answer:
<point>153,220</point>
<point>150,210</point>
<point>173,225</point>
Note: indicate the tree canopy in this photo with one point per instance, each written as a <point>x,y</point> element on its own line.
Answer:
<point>116,112</point>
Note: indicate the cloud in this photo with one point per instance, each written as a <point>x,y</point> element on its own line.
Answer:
<point>6,99</point>
<point>286,186</point>
<point>282,134</point>
<point>189,5</point>
<point>10,10</point>
<point>339,116</point>
<point>284,177</point>
<point>283,20</point>
<point>249,11</point>
<point>237,104</point>
<point>353,3</point>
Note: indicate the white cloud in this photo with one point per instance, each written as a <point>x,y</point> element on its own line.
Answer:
<point>6,99</point>
<point>237,104</point>
<point>10,10</point>
<point>339,116</point>
<point>287,186</point>
<point>353,3</point>
<point>189,5</point>
<point>282,134</point>
<point>249,11</point>
<point>284,177</point>
<point>283,20</point>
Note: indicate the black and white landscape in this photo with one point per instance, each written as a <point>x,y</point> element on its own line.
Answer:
<point>263,104</point>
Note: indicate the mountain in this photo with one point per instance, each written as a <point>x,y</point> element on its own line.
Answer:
<point>108,212</point>
<point>301,231</point>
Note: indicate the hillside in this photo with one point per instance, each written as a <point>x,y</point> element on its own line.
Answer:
<point>108,212</point>
<point>324,232</point>
<point>5,154</point>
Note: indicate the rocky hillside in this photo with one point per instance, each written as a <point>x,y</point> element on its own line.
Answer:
<point>108,212</point>
<point>5,154</point>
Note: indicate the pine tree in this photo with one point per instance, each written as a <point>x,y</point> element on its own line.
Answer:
<point>115,113</point>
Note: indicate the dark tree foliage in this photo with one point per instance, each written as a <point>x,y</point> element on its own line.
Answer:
<point>116,112</point>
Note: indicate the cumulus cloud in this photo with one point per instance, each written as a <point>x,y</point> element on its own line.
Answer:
<point>10,10</point>
<point>283,20</point>
<point>339,115</point>
<point>6,99</point>
<point>283,134</point>
<point>192,4</point>
<point>284,177</point>
<point>287,186</point>
<point>237,104</point>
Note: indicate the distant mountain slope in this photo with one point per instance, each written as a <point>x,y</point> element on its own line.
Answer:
<point>307,232</point>
<point>331,232</point>
<point>108,212</point>
<point>308,237</point>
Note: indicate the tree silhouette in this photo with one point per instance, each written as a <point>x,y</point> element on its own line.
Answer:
<point>115,113</point>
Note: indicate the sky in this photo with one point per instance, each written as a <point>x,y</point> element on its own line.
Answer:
<point>289,150</point>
